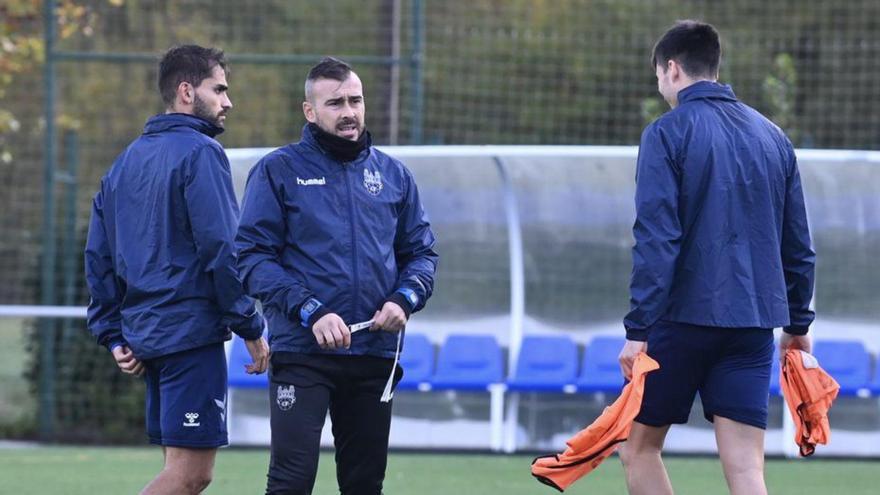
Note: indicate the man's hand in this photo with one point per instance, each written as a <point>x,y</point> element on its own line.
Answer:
<point>259,351</point>
<point>628,355</point>
<point>331,332</point>
<point>127,362</point>
<point>391,318</point>
<point>789,341</point>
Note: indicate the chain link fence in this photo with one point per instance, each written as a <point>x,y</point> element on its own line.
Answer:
<point>435,72</point>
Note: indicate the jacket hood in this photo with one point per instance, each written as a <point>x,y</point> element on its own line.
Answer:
<point>706,89</point>
<point>167,121</point>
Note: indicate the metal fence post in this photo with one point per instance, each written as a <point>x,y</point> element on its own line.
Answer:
<point>417,60</point>
<point>69,245</point>
<point>47,278</point>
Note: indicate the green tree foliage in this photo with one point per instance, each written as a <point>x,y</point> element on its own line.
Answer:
<point>779,90</point>
<point>21,49</point>
<point>22,52</point>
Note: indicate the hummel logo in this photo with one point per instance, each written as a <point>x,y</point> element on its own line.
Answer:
<point>222,405</point>
<point>311,182</point>
<point>191,418</point>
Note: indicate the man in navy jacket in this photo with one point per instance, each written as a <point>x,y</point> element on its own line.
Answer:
<point>160,268</point>
<point>722,256</point>
<point>333,234</point>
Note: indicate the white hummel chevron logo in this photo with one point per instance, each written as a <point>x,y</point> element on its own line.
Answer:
<point>222,405</point>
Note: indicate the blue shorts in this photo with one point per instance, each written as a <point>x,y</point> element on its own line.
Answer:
<point>729,367</point>
<point>186,398</point>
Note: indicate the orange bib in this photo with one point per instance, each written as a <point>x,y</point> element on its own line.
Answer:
<point>593,444</point>
<point>809,392</point>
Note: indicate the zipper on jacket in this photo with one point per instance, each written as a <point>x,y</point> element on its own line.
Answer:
<point>354,261</point>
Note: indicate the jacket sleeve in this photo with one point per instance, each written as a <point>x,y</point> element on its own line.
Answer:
<point>105,288</point>
<point>414,249</point>
<point>260,242</point>
<point>798,257</point>
<point>657,233</point>
<point>213,216</point>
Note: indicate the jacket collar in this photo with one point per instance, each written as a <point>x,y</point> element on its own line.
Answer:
<point>706,90</point>
<point>309,140</point>
<point>167,121</point>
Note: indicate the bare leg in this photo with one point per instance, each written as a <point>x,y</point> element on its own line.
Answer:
<point>640,454</point>
<point>186,472</point>
<point>741,448</point>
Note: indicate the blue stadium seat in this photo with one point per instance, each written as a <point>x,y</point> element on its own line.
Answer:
<point>545,364</point>
<point>238,377</point>
<point>417,361</point>
<point>847,361</point>
<point>600,371</point>
<point>468,362</point>
<point>874,386</point>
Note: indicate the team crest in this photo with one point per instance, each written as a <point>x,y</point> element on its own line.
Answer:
<point>286,397</point>
<point>373,182</point>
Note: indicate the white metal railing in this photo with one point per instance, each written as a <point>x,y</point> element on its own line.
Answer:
<point>37,311</point>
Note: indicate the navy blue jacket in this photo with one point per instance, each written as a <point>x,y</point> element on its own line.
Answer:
<point>347,235</point>
<point>159,258</point>
<point>721,234</point>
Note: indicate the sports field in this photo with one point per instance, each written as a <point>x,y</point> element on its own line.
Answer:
<point>90,471</point>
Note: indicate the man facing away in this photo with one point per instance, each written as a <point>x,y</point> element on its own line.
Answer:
<point>161,271</point>
<point>722,256</point>
<point>333,234</point>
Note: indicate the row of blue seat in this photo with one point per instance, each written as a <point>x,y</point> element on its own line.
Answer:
<point>551,364</point>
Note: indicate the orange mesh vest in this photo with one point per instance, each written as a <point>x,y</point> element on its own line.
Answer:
<point>809,392</point>
<point>593,444</point>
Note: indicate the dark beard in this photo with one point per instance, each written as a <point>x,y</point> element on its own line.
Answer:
<point>200,110</point>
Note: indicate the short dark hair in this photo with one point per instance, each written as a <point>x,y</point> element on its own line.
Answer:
<point>694,45</point>
<point>187,63</point>
<point>327,68</point>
